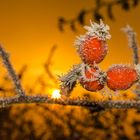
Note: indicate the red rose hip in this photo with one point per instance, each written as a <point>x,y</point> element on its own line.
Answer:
<point>92,46</point>
<point>121,77</point>
<point>92,79</point>
<point>93,50</point>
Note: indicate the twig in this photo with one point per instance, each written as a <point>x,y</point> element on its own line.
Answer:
<point>48,71</point>
<point>48,63</point>
<point>94,105</point>
<point>12,74</point>
<point>68,81</point>
<point>131,35</point>
<point>96,12</point>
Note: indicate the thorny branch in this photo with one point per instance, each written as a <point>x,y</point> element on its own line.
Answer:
<point>131,35</point>
<point>12,74</point>
<point>92,105</point>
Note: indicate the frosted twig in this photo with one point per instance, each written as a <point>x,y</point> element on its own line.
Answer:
<point>94,105</point>
<point>12,74</point>
<point>68,81</point>
<point>131,35</point>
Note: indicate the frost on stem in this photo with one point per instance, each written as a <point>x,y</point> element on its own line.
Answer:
<point>95,106</point>
<point>131,35</point>
<point>5,58</point>
<point>137,68</point>
<point>68,81</point>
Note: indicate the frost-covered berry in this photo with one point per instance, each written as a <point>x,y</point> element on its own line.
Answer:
<point>92,46</point>
<point>93,50</point>
<point>121,77</point>
<point>92,79</point>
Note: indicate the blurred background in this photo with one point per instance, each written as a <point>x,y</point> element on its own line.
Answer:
<point>39,35</point>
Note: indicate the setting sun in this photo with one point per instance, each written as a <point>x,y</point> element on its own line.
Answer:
<point>56,94</point>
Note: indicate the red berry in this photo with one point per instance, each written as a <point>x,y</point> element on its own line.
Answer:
<point>92,79</point>
<point>93,50</point>
<point>92,46</point>
<point>121,77</point>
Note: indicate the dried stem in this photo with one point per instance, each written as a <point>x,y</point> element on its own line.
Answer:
<point>131,35</point>
<point>5,57</point>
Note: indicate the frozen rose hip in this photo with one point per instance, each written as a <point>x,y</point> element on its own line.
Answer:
<point>121,77</point>
<point>92,46</point>
<point>92,79</point>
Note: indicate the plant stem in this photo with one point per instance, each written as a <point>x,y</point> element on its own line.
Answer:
<point>94,105</point>
<point>5,58</point>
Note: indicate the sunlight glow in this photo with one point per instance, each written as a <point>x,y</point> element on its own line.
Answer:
<point>56,94</point>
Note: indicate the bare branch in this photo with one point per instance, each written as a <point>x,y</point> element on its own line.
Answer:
<point>131,35</point>
<point>48,63</point>
<point>94,105</point>
<point>96,12</point>
<point>11,71</point>
<point>22,71</point>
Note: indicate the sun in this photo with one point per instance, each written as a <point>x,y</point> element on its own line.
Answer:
<point>56,94</point>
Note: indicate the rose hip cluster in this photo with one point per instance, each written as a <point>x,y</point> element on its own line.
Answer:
<point>92,49</point>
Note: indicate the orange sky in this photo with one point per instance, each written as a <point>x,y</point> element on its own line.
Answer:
<point>28,29</point>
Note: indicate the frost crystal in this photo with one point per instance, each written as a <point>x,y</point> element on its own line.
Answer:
<point>130,33</point>
<point>70,77</point>
<point>100,31</point>
<point>98,75</point>
<point>79,40</point>
<point>119,66</point>
<point>137,68</point>
<point>83,76</point>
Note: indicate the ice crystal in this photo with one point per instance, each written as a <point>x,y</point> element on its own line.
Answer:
<point>70,77</point>
<point>100,31</point>
<point>102,77</point>
<point>137,68</point>
<point>85,67</point>
<point>96,76</point>
<point>79,40</point>
<point>130,34</point>
<point>119,66</point>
